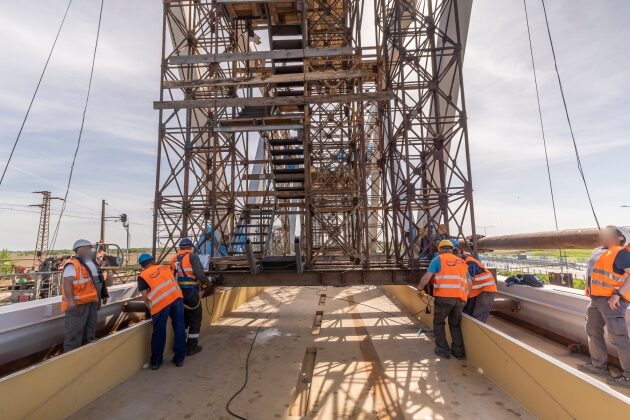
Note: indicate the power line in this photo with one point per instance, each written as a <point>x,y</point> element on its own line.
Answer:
<point>542,126</point>
<point>39,82</point>
<point>52,212</point>
<point>76,151</point>
<point>566,111</point>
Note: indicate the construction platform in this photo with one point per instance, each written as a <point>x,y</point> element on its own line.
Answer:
<point>334,353</point>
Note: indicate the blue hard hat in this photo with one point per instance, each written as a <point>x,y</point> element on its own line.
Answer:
<point>185,242</point>
<point>455,243</point>
<point>144,258</point>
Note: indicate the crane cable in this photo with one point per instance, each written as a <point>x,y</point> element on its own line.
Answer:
<point>39,82</point>
<point>566,111</point>
<point>76,151</point>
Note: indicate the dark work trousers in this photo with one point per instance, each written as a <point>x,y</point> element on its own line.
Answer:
<point>192,313</point>
<point>158,338</point>
<point>79,326</point>
<point>599,315</point>
<point>480,306</point>
<point>451,309</point>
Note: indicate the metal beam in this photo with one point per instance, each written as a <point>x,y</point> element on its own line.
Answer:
<point>318,278</point>
<point>272,101</point>
<point>261,55</point>
<point>563,239</point>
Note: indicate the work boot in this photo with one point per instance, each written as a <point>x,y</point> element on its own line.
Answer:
<point>590,368</point>
<point>619,381</point>
<point>442,353</point>
<point>193,350</point>
<point>179,363</point>
<point>458,356</point>
<point>155,367</point>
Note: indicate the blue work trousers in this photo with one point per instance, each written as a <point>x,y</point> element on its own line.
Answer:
<point>158,339</point>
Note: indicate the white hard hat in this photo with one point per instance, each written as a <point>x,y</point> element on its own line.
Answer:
<point>626,234</point>
<point>81,243</point>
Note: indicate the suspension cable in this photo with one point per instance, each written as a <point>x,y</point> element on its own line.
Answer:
<point>39,82</point>
<point>566,111</point>
<point>76,151</point>
<point>542,126</point>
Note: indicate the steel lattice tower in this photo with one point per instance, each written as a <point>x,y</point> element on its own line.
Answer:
<point>294,127</point>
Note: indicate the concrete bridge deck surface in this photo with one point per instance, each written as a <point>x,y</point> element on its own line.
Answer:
<point>369,363</point>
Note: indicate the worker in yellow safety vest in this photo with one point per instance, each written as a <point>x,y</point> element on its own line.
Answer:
<point>164,299</point>
<point>483,290</point>
<point>451,286</point>
<point>609,288</point>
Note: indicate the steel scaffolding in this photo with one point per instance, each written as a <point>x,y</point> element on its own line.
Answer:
<point>295,128</point>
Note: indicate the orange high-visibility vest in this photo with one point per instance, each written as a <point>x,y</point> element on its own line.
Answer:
<point>163,289</point>
<point>83,287</point>
<point>184,270</point>
<point>482,282</point>
<point>604,280</point>
<point>452,279</point>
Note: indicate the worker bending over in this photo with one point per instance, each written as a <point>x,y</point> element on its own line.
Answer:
<point>483,290</point>
<point>82,293</point>
<point>609,289</point>
<point>451,285</point>
<point>164,299</point>
<point>190,276</point>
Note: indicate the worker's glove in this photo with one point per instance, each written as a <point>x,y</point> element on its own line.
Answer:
<point>422,293</point>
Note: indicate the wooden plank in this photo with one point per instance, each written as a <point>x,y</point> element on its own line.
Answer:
<point>260,80</point>
<point>272,101</point>
<point>261,55</point>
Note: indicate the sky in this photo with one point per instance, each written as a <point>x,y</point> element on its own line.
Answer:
<point>118,152</point>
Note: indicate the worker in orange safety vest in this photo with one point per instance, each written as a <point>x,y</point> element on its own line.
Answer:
<point>165,300</point>
<point>191,277</point>
<point>82,294</point>
<point>451,286</point>
<point>609,288</point>
<point>483,290</point>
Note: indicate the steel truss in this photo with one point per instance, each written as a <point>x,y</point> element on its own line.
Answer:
<point>276,122</point>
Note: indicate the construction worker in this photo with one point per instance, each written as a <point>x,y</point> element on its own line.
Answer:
<point>82,294</point>
<point>164,299</point>
<point>483,290</point>
<point>451,285</point>
<point>190,276</point>
<point>609,289</point>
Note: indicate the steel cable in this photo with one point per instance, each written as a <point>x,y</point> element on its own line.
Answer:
<point>39,82</point>
<point>76,151</point>
<point>566,111</point>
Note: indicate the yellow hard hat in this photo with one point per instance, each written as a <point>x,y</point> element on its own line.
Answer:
<point>444,243</point>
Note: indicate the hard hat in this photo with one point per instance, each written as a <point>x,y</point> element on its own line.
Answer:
<point>145,258</point>
<point>185,242</point>
<point>455,243</point>
<point>626,235</point>
<point>445,243</point>
<point>81,243</point>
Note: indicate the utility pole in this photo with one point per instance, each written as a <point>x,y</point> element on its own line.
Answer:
<point>41,245</point>
<point>103,204</point>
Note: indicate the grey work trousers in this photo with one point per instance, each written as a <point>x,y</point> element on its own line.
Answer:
<point>80,326</point>
<point>480,306</point>
<point>451,309</point>
<point>599,314</point>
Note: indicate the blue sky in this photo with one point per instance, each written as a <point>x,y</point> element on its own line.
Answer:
<point>117,156</point>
